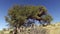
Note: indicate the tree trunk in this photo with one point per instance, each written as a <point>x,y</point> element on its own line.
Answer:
<point>15,31</point>
<point>18,30</point>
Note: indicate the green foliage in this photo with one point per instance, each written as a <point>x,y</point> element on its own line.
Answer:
<point>48,18</point>
<point>17,15</point>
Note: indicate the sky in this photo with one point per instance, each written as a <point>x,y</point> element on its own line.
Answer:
<point>53,7</point>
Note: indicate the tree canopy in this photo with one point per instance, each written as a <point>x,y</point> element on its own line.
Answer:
<point>17,15</point>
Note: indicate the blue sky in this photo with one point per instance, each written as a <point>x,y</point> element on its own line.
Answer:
<point>53,7</point>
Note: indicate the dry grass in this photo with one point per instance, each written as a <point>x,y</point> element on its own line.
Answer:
<point>50,29</point>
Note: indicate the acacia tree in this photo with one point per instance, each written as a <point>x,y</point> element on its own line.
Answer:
<point>17,15</point>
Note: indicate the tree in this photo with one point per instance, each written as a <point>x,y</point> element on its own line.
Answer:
<point>17,15</point>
